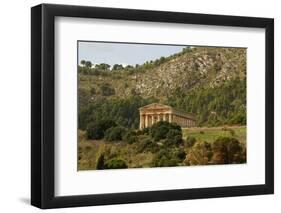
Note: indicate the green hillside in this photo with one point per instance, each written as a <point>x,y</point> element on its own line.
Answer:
<point>209,82</point>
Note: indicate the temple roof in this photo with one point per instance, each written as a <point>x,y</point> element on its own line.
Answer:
<point>155,106</point>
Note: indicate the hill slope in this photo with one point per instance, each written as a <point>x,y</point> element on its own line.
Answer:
<point>210,82</point>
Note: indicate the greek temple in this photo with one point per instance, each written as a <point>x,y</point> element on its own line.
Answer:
<point>152,113</point>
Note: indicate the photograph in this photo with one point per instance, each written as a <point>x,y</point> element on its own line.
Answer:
<point>160,105</point>
<point>134,105</point>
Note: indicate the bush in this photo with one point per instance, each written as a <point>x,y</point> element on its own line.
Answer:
<point>164,158</point>
<point>115,163</point>
<point>180,154</point>
<point>173,133</point>
<point>160,130</point>
<point>227,150</point>
<point>100,162</point>
<point>130,137</point>
<point>199,154</point>
<point>115,133</point>
<point>145,144</point>
<point>190,141</point>
<point>106,90</point>
<point>174,137</point>
<point>96,130</point>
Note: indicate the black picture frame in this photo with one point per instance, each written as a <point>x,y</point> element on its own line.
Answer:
<point>43,102</point>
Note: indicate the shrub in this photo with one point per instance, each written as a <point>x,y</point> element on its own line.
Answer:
<point>164,158</point>
<point>173,133</point>
<point>100,162</point>
<point>180,154</point>
<point>227,150</point>
<point>96,130</point>
<point>160,130</point>
<point>145,144</point>
<point>115,133</point>
<point>173,138</point>
<point>115,163</point>
<point>190,141</point>
<point>130,137</point>
<point>199,154</point>
<point>106,90</point>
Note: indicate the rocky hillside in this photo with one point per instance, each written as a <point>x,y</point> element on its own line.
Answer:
<point>198,67</point>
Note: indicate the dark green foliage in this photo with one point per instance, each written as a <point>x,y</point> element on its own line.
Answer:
<point>117,67</point>
<point>123,111</point>
<point>227,150</point>
<point>96,130</point>
<point>100,162</point>
<point>102,67</point>
<point>84,97</point>
<point>107,90</point>
<point>180,154</point>
<point>172,133</point>
<point>220,105</point>
<point>174,137</point>
<point>165,158</point>
<point>115,133</point>
<point>83,62</point>
<point>130,136</point>
<point>160,130</point>
<point>115,163</point>
<point>190,141</point>
<point>145,144</point>
<point>88,64</point>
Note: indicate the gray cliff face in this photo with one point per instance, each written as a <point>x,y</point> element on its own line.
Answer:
<point>199,68</point>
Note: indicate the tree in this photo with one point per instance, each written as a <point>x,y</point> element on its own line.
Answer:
<point>199,154</point>
<point>115,163</point>
<point>106,90</point>
<point>96,130</point>
<point>130,137</point>
<point>115,133</point>
<point>117,67</point>
<point>227,150</point>
<point>190,141</point>
<point>160,130</point>
<point>88,64</point>
<point>100,162</point>
<point>83,62</point>
<point>102,66</point>
<point>164,158</point>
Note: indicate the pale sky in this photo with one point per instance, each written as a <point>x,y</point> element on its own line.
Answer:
<point>123,53</point>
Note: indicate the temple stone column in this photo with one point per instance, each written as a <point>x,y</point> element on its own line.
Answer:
<point>146,121</point>
<point>141,121</point>
<point>158,117</point>
<point>152,119</point>
<point>164,117</point>
<point>170,118</point>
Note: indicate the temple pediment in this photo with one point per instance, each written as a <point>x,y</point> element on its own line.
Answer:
<point>155,106</point>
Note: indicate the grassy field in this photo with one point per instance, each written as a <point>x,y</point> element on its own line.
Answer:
<point>209,134</point>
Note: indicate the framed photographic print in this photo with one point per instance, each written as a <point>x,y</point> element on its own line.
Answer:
<point>139,106</point>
